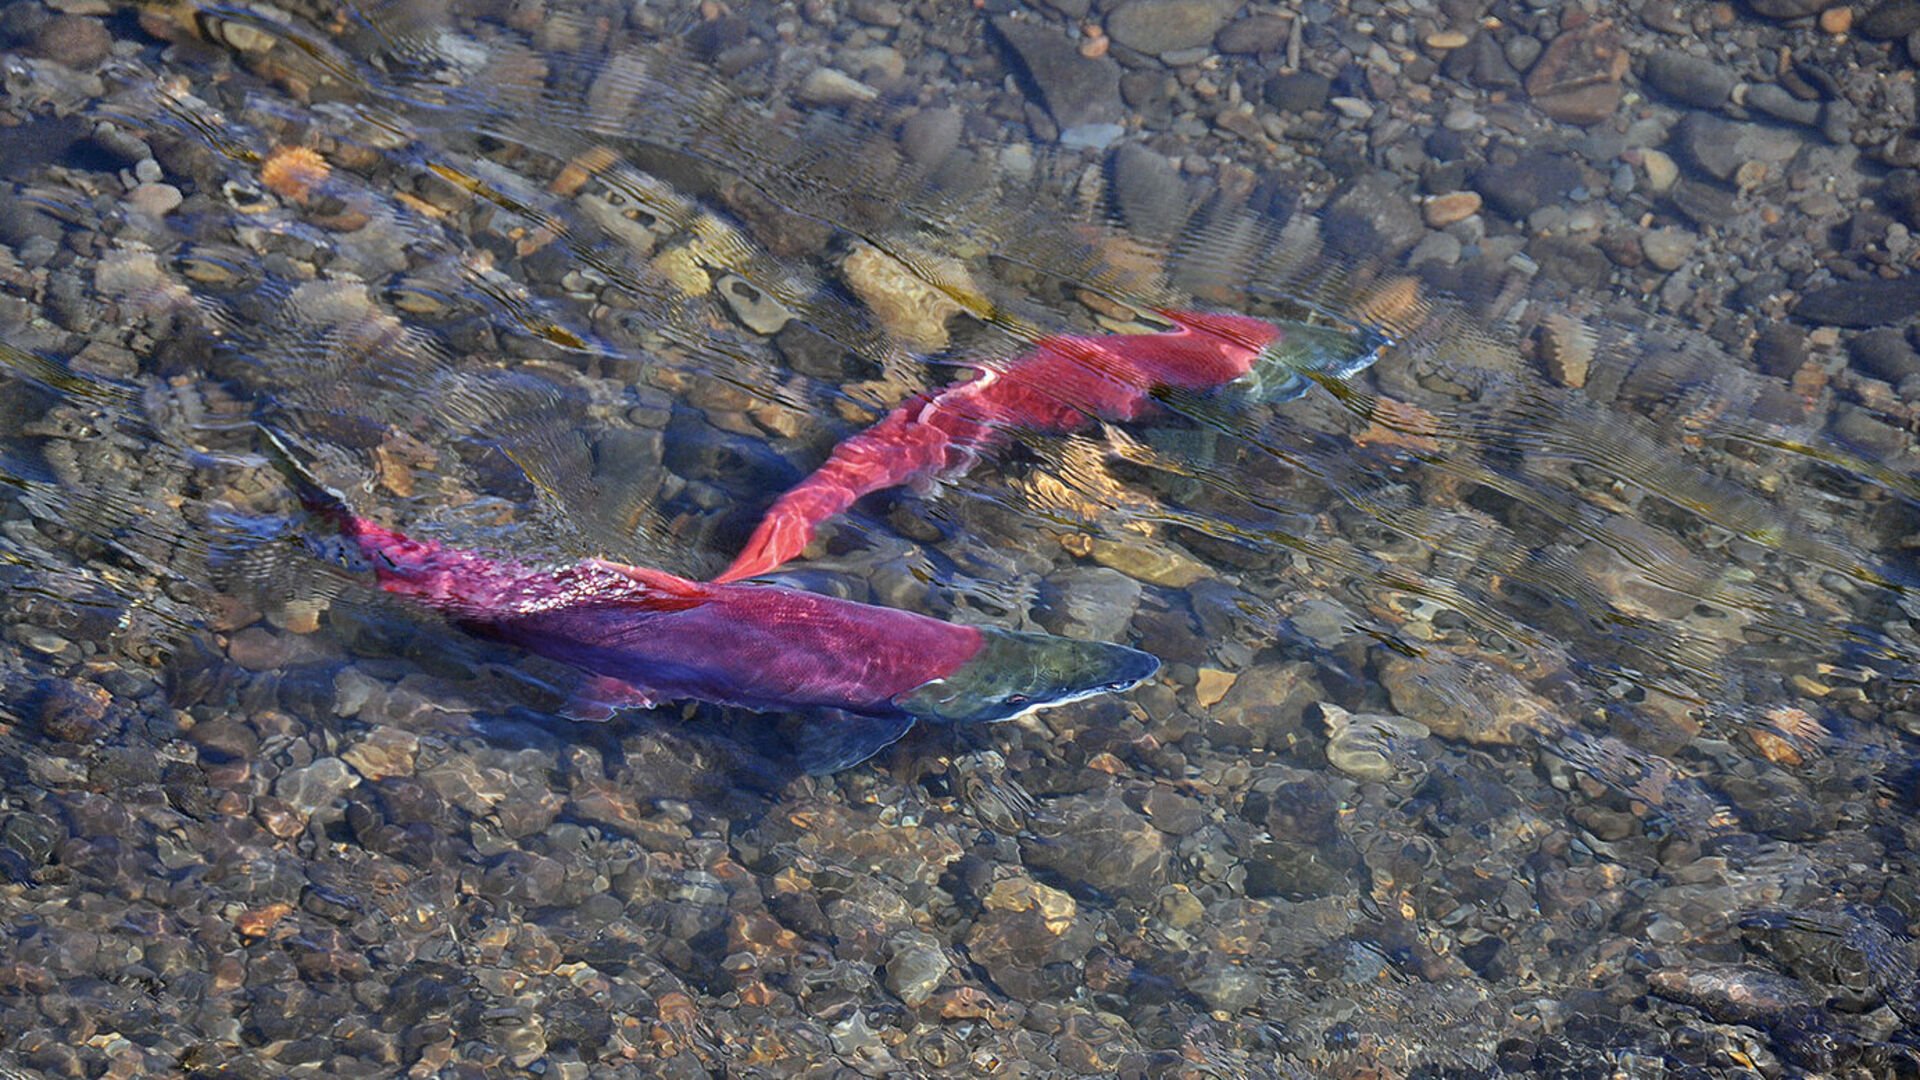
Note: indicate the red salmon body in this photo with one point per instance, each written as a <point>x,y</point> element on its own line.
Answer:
<point>666,638</point>
<point>1061,385</point>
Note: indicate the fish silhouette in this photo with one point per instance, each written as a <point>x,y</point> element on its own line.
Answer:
<point>1062,384</point>
<point>645,636</point>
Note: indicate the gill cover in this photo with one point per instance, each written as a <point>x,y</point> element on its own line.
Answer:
<point>1016,672</point>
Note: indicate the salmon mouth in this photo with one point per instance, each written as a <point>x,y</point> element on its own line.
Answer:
<point>1015,673</point>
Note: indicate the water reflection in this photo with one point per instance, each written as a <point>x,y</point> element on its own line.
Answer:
<point>1539,695</point>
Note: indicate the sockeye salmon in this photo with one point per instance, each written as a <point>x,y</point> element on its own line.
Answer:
<point>1064,383</point>
<point>645,636</point>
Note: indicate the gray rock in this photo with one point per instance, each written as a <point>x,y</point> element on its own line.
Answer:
<point>1164,26</point>
<point>1148,191</point>
<point>1077,91</point>
<point>1774,100</point>
<point>1690,79</point>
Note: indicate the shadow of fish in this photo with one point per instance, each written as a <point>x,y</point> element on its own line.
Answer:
<point>645,636</point>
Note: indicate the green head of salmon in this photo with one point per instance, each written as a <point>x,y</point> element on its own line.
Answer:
<point>1015,673</point>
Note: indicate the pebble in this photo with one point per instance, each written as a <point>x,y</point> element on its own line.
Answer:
<point>1441,211</point>
<point>1154,563</point>
<point>1099,841</point>
<point>929,136</point>
<point>1298,91</point>
<point>831,86</point>
<point>1253,35</point>
<point>1774,100</point>
<point>916,967</point>
<point>155,200</point>
<point>1884,354</point>
<point>1669,248</point>
<point>74,40</point>
<point>1891,19</point>
<point>1689,79</point>
<point>1163,26</point>
<point>1091,603</point>
<point>1212,685</point>
<point>316,786</point>
<point>1660,169</point>
<point>384,752</point>
<point>1577,78</point>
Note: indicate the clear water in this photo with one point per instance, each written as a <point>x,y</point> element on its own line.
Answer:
<point>1500,717</point>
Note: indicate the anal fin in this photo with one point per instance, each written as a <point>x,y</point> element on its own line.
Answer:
<point>832,739</point>
<point>601,696</point>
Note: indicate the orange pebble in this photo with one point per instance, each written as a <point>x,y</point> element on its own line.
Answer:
<point>1837,20</point>
<point>292,172</point>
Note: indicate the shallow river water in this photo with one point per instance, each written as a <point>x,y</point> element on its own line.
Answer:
<point>1540,700</point>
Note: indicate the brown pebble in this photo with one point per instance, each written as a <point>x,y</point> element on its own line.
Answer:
<point>1444,210</point>
<point>73,40</point>
<point>72,711</point>
<point>1837,20</point>
<point>1213,685</point>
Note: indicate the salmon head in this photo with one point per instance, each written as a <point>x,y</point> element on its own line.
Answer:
<point>1014,673</point>
<point>1280,371</point>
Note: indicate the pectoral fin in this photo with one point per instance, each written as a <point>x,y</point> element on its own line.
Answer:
<point>601,696</point>
<point>831,739</point>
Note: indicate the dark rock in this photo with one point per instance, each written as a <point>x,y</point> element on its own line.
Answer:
<point>1373,218</point>
<point>1298,91</point>
<point>1732,995</point>
<point>1781,349</point>
<point>1891,19</point>
<point>1520,186</point>
<point>1690,79</point>
<point>1253,34</point>
<point>1788,9</point>
<point>1570,260</point>
<point>1481,62</point>
<point>1702,204</point>
<point>1884,354</point>
<point>1876,302</point>
<point>1858,427</point>
<point>1164,26</point>
<point>1075,90</point>
<point>1148,191</point>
